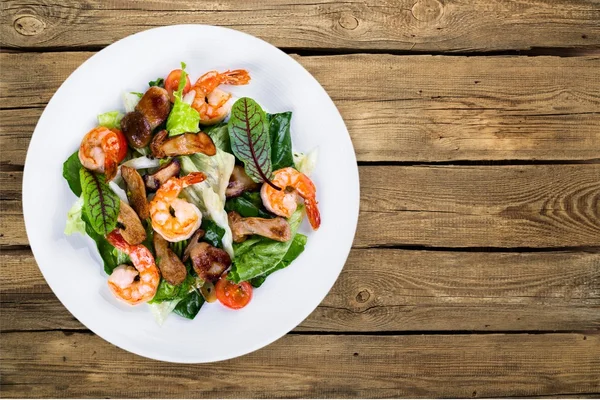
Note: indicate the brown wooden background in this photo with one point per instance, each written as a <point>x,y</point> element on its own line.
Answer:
<point>475,270</point>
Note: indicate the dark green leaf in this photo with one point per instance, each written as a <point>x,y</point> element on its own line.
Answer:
<point>168,292</point>
<point>105,249</point>
<point>281,140</point>
<point>213,233</point>
<point>71,169</point>
<point>158,82</point>
<point>100,203</point>
<point>190,305</point>
<point>220,136</point>
<point>249,137</point>
<point>296,248</point>
<point>248,204</point>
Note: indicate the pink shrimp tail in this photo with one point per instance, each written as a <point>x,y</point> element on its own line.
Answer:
<point>235,77</point>
<point>193,178</point>
<point>116,239</point>
<point>314,216</point>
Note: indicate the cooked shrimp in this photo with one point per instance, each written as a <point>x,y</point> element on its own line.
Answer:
<point>185,219</point>
<point>133,285</point>
<point>102,149</point>
<point>212,103</point>
<point>284,202</point>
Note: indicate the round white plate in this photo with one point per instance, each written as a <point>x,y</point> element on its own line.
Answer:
<point>71,265</point>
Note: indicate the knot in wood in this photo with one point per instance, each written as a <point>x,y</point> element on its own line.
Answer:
<point>348,21</point>
<point>28,25</point>
<point>427,10</point>
<point>363,296</point>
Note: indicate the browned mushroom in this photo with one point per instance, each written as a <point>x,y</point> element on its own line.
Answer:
<point>239,182</point>
<point>131,227</point>
<point>208,261</point>
<point>155,106</point>
<point>136,191</point>
<point>153,181</point>
<point>171,267</point>
<point>276,228</point>
<point>136,129</point>
<point>185,144</point>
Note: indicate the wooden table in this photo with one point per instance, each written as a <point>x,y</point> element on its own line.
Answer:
<point>475,271</point>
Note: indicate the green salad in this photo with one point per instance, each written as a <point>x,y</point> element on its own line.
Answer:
<point>185,208</point>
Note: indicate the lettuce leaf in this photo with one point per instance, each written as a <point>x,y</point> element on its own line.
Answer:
<point>111,119</point>
<point>209,196</point>
<point>220,136</point>
<point>183,118</point>
<point>296,248</point>
<point>258,256</point>
<point>168,292</point>
<point>75,223</point>
<point>130,100</point>
<point>160,311</point>
<point>158,82</point>
<point>306,163</point>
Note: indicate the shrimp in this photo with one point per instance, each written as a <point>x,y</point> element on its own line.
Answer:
<point>102,149</point>
<point>133,285</point>
<point>186,217</point>
<point>211,103</point>
<point>284,202</point>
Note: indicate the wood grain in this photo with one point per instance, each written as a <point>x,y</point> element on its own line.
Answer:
<point>82,365</point>
<point>533,206</point>
<point>484,108</point>
<point>391,290</point>
<point>406,25</point>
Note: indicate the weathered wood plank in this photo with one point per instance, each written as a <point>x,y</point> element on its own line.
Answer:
<point>424,25</point>
<point>533,206</point>
<point>392,290</point>
<point>401,110</point>
<point>53,364</point>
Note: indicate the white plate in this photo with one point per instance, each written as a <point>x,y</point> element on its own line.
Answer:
<point>72,266</point>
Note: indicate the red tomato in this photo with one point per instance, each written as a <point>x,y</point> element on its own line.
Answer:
<point>172,83</point>
<point>233,295</point>
<point>122,145</point>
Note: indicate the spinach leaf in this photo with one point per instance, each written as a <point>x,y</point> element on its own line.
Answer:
<point>248,204</point>
<point>190,305</point>
<point>158,82</point>
<point>213,233</point>
<point>100,203</point>
<point>71,169</point>
<point>296,248</point>
<point>168,292</point>
<point>281,140</point>
<point>258,256</point>
<point>249,136</point>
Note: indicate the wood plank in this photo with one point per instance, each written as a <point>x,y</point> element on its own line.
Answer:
<point>533,206</point>
<point>56,364</point>
<point>392,290</point>
<point>407,25</point>
<point>402,110</point>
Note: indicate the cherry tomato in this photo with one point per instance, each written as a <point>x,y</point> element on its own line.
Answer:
<point>233,295</point>
<point>172,83</point>
<point>122,145</point>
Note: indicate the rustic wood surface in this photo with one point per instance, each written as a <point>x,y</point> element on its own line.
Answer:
<point>475,270</point>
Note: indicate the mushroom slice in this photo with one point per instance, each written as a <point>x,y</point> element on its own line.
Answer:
<point>167,171</point>
<point>239,182</point>
<point>136,191</point>
<point>131,227</point>
<point>208,261</point>
<point>171,267</point>
<point>276,228</point>
<point>136,129</point>
<point>155,106</point>
<point>185,144</point>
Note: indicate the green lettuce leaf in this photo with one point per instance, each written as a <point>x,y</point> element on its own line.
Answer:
<point>168,292</point>
<point>189,306</point>
<point>262,255</point>
<point>248,204</point>
<point>306,163</point>
<point>71,169</point>
<point>75,223</point>
<point>209,195</point>
<point>249,137</point>
<point>281,140</point>
<point>183,118</point>
<point>158,82</point>
<point>100,204</point>
<point>296,248</point>
<point>111,119</point>
<point>105,249</point>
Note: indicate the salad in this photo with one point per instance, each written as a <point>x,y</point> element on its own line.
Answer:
<point>184,207</point>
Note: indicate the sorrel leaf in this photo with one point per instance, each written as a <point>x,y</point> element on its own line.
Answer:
<point>100,203</point>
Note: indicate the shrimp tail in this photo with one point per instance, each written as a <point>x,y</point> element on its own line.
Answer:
<point>314,217</point>
<point>235,77</point>
<point>116,239</point>
<point>193,178</point>
<point>110,168</point>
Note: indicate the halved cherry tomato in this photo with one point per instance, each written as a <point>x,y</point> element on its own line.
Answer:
<point>122,145</point>
<point>172,83</point>
<point>233,295</point>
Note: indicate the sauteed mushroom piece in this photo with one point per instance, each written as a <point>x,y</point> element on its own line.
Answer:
<point>131,227</point>
<point>153,181</point>
<point>276,228</point>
